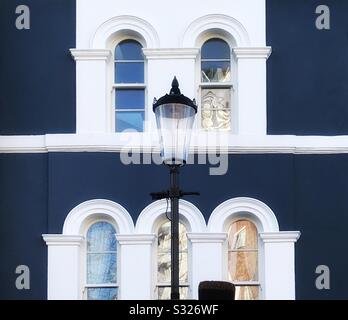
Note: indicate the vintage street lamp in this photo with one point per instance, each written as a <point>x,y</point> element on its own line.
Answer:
<point>175,115</point>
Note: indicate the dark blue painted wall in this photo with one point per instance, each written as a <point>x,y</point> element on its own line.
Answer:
<point>308,70</point>
<point>23,219</point>
<point>307,193</point>
<point>37,73</point>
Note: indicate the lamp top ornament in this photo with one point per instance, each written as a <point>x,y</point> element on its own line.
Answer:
<point>175,97</point>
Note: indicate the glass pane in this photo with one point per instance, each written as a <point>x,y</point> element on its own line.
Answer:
<point>164,293</point>
<point>247,293</point>
<point>102,293</point>
<point>243,266</point>
<point>101,237</point>
<point>213,100</point>
<point>101,268</point>
<point>129,72</point>
<point>129,50</point>
<point>216,49</point>
<point>164,267</point>
<point>242,235</point>
<point>130,120</point>
<point>130,99</point>
<point>164,237</point>
<point>216,71</point>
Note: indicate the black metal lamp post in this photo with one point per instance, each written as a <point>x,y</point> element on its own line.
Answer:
<point>175,115</point>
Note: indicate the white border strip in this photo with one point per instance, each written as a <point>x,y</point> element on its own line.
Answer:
<point>144,143</point>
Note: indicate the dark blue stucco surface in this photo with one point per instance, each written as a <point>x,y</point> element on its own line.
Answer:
<point>37,73</point>
<point>23,219</point>
<point>306,192</point>
<point>308,69</point>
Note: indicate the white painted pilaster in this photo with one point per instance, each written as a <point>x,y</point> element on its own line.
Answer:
<point>162,66</point>
<point>279,260</point>
<point>251,90</point>
<point>92,105</point>
<point>63,267</point>
<point>135,266</point>
<point>206,258</point>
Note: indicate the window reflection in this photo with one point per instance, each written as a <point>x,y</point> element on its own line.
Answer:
<point>164,261</point>
<point>216,85</point>
<point>243,266</point>
<point>101,279</point>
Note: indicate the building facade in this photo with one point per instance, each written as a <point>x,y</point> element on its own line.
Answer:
<point>79,148</point>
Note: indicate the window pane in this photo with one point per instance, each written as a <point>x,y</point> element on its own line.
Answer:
<point>216,49</point>
<point>164,293</point>
<point>129,72</point>
<point>101,268</point>
<point>216,71</point>
<point>130,99</point>
<point>247,293</point>
<point>102,293</point>
<point>164,267</point>
<point>213,100</point>
<point>242,235</point>
<point>130,120</point>
<point>164,237</point>
<point>129,50</point>
<point>101,237</point>
<point>243,266</point>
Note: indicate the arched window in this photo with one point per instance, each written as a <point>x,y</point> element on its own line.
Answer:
<point>129,86</point>
<point>243,264</point>
<point>216,85</point>
<point>164,262</point>
<point>101,271</point>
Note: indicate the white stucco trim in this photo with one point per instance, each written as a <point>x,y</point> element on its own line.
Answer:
<point>90,54</point>
<point>210,22</point>
<point>253,52</point>
<point>231,144</point>
<point>243,208</point>
<point>98,209</point>
<point>124,23</point>
<point>148,219</point>
<point>276,249</point>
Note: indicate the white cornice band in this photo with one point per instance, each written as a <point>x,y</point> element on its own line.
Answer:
<point>90,54</point>
<point>253,52</point>
<point>228,144</point>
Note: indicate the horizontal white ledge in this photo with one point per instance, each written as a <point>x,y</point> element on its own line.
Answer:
<point>201,143</point>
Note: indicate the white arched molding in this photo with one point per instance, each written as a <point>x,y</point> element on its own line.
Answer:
<point>154,214</point>
<point>213,23</point>
<point>124,24</point>
<point>277,249</point>
<point>65,250</point>
<point>98,209</point>
<point>243,208</point>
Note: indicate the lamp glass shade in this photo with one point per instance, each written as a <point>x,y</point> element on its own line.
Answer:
<point>174,123</point>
